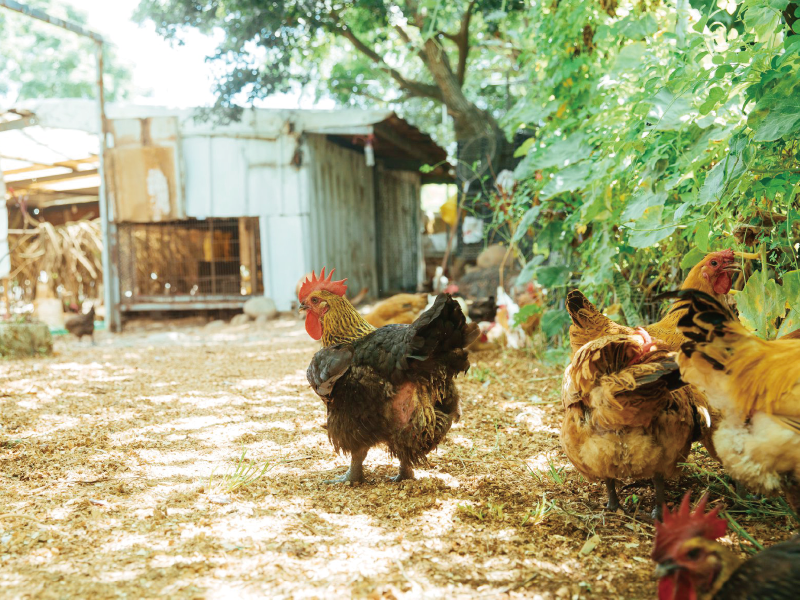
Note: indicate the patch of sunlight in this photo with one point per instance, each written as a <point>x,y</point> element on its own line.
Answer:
<point>439,521</point>
<point>74,366</point>
<point>533,417</point>
<point>117,576</point>
<point>246,384</point>
<point>126,541</point>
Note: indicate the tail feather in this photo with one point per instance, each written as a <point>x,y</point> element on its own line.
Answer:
<point>442,330</point>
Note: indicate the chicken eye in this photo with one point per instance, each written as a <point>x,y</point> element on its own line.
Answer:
<point>714,263</point>
<point>694,553</point>
<point>314,300</point>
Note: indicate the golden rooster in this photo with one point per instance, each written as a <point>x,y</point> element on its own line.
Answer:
<point>393,385</point>
<point>625,416</point>
<point>711,275</point>
<point>755,386</point>
<point>693,565</point>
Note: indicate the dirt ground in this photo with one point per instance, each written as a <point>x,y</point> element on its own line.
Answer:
<point>116,464</point>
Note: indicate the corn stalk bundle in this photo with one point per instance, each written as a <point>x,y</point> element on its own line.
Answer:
<point>70,255</point>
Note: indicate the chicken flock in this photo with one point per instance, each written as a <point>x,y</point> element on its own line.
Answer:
<point>634,399</point>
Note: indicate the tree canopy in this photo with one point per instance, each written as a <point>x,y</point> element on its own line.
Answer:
<point>661,131</point>
<point>39,60</point>
<point>415,55</point>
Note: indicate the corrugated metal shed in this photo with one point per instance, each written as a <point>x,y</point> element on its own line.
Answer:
<point>303,174</point>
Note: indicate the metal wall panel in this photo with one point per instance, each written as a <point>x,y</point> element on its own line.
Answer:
<point>342,215</point>
<point>398,228</point>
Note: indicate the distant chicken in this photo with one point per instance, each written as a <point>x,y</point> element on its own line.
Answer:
<point>81,325</point>
<point>755,385</point>
<point>400,309</point>
<point>711,275</point>
<point>625,414</point>
<point>392,385</point>
<point>693,565</point>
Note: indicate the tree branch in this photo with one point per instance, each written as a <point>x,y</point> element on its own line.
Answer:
<point>463,43</point>
<point>416,88</point>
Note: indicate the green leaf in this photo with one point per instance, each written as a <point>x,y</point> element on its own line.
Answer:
<point>781,121</point>
<point>669,112</point>
<point>556,153</point>
<point>648,230</point>
<point>570,179</point>
<point>629,58</point>
<point>763,20</point>
<point>525,312</point>
<point>790,324</point>
<point>701,236</point>
<point>791,287</point>
<point>640,203</point>
<point>716,181</point>
<point>529,270</point>
<point>553,276</point>
<point>555,322</point>
<point>691,258</point>
<point>526,223</point>
<point>760,304</point>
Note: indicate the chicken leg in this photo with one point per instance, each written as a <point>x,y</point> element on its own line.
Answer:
<point>355,474</point>
<point>406,472</point>
<point>613,500</point>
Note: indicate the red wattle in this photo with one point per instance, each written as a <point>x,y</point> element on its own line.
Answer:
<point>723,284</point>
<point>313,326</point>
<point>677,586</point>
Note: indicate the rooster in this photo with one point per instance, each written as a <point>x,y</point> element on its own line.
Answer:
<point>392,385</point>
<point>81,325</point>
<point>626,415</point>
<point>693,565</point>
<point>755,385</point>
<point>711,275</point>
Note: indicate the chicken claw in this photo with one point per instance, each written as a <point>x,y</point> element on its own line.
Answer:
<point>406,472</point>
<point>355,474</point>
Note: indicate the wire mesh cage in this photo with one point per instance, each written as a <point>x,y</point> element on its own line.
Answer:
<point>195,259</point>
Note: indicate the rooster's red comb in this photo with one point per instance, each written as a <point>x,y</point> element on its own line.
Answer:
<point>684,524</point>
<point>323,283</point>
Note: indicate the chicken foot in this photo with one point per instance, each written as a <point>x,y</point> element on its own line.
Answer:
<point>355,474</point>
<point>406,472</point>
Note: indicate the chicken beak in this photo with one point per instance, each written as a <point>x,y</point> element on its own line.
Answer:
<point>664,569</point>
<point>732,268</point>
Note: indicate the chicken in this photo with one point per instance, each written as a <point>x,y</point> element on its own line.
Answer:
<point>626,416</point>
<point>755,386</point>
<point>693,565</point>
<point>393,385</point>
<point>711,275</point>
<point>82,324</point>
<point>400,309</point>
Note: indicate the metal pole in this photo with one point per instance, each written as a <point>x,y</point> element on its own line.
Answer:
<point>106,221</point>
<point>35,13</point>
<point>109,283</point>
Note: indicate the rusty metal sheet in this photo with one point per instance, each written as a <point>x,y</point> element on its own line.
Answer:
<point>143,184</point>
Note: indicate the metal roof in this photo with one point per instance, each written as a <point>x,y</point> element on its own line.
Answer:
<point>59,136</point>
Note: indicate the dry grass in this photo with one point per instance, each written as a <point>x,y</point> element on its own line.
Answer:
<point>69,254</point>
<point>106,452</point>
